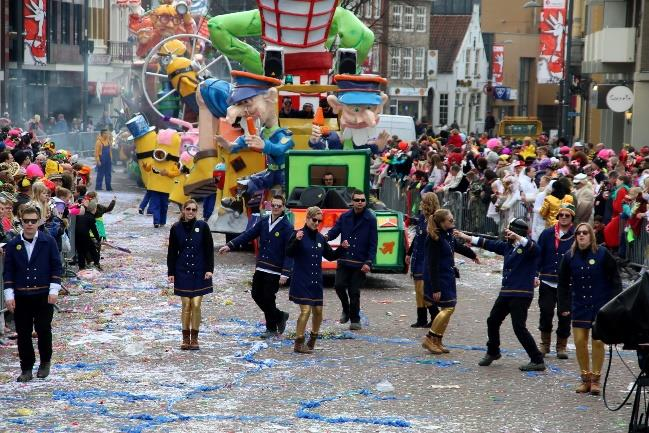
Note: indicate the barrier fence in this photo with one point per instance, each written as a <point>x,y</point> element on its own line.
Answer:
<point>80,143</point>
<point>471,214</point>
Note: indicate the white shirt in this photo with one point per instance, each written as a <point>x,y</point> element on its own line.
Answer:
<point>29,249</point>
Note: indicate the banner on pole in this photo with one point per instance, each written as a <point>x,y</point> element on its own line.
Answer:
<point>35,26</point>
<point>552,42</point>
<point>497,64</point>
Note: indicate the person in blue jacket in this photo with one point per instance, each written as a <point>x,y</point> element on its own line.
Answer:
<point>357,226</point>
<point>190,265</point>
<point>415,257</point>
<point>273,264</point>
<point>440,274</point>
<point>553,243</point>
<point>32,280</point>
<point>307,247</point>
<point>588,279</point>
<point>519,272</point>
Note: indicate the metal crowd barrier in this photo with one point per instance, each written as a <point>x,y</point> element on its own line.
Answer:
<point>471,215</point>
<point>2,297</point>
<point>80,143</point>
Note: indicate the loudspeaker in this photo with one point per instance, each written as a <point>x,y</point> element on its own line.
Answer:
<point>312,196</point>
<point>346,60</point>
<point>274,63</point>
<point>294,199</point>
<point>337,198</point>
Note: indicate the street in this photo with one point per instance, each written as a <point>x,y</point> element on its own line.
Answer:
<point>117,364</point>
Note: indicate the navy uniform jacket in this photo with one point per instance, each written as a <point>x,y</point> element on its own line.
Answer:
<point>519,267</point>
<point>440,271</point>
<point>417,249</point>
<point>33,277</point>
<point>306,282</point>
<point>587,281</point>
<point>272,244</point>
<point>362,237</point>
<point>189,256</point>
<point>550,256</point>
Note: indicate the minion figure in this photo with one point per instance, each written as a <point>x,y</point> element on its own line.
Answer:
<point>146,140</point>
<point>183,75</point>
<point>163,168</point>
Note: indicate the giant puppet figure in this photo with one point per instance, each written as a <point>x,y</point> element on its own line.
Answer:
<point>305,30</point>
<point>254,98</point>
<point>359,101</point>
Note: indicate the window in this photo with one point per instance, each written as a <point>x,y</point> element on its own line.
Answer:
<point>464,108</point>
<point>443,109</point>
<point>78,26</point>
<point>367,10</point>
<point>96,27</point>
<point>406,63</point>
<point>375,59</point>
<point>396,16</point>
<point>377,8</point>
<point>409,18</point>
<point>65,23</point>
<point>467,63</point>
<point>420,19</point>
<point>478,103</point>
<point>52,20</point>
<point>420,58</point>
<point>395,62</point>
<point>476,65</point>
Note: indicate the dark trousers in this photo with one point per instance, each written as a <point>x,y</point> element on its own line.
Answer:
<point>33,312</point>
<point>547,305</point>
<point>208,206</point>
<point>348,288</point>
<point>264,288</point>
<point>145,200</point>
<point>158,206</point>
<point>517,308</point>
<point>86,249</point>
<point>104,172</point>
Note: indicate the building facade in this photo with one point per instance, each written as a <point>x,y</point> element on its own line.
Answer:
<point>457,72</point>
<point>406,48</point>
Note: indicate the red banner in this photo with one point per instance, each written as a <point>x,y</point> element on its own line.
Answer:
<point>552,31</point>
<point>35,23</point>
<point>498,64</point>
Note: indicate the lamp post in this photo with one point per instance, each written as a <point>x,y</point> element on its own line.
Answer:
<point>84,54</point>
<point>564,84</point>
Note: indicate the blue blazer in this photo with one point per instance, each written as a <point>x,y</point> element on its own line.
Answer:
<point>33,277</point>
<point>550,256</point>
<point>272,244</point>
<point>519,266</point>
<point>417,249</point>
<point>362,237</point>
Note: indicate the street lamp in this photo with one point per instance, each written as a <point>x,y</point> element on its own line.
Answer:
<point>567,76</point>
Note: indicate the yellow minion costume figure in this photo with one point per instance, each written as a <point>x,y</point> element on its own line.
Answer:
<point>183,74</point>
<point>146,140</point>
<point>163,168</point>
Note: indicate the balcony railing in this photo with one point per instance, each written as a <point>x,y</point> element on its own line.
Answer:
<point>121,51</point>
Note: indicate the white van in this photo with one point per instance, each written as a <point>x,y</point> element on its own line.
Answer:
<point>401,126</point>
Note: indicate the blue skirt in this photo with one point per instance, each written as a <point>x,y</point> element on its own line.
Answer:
<point>191,283</point>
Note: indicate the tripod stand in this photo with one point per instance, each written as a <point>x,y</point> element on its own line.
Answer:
<point>640,414</point>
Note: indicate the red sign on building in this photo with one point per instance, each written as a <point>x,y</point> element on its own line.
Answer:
<point>498,64</point>
<point>35,23</point>
<point>552,41</point>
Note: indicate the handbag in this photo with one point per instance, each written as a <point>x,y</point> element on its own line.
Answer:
<point>623,320</point>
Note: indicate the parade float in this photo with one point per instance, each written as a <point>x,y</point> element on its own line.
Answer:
<point>246,152</point>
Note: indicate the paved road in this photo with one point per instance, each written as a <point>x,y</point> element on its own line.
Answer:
<point>118,367</point>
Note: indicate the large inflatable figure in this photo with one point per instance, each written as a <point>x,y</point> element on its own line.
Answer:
<point>303,30</point>
<point>359,102</point>
<point>254,98</point>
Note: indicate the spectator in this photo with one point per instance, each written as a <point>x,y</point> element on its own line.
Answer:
<point>584,198</point>
<point>287,109</point>
<point>61,125</point>
<point>307,111</point>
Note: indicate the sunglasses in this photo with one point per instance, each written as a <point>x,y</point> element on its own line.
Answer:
<point>564,215</point>
<point>359,200</point>
<point>277,206</point>
<point>582,232</point>
<point>192,209</point>
<point>316,220</point>
<point>30,220</point>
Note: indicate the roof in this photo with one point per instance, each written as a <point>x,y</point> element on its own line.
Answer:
<point>446,36</point>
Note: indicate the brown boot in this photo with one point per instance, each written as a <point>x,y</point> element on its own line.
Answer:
<point>594,384</point>
<point>585,384</point>
<point>193,340</point>
<point>299,346</point>
<point>546,341</point>
<point>432,345</point>
<point>185,344</point>
<point>562,348</point>
<point>311,343</point>
<point>441,345</point>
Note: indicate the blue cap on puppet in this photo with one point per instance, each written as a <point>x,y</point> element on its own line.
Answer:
<point>215,93</point>
<point>247,85</point>
<point>359,89</point>
<point>138,126</point>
